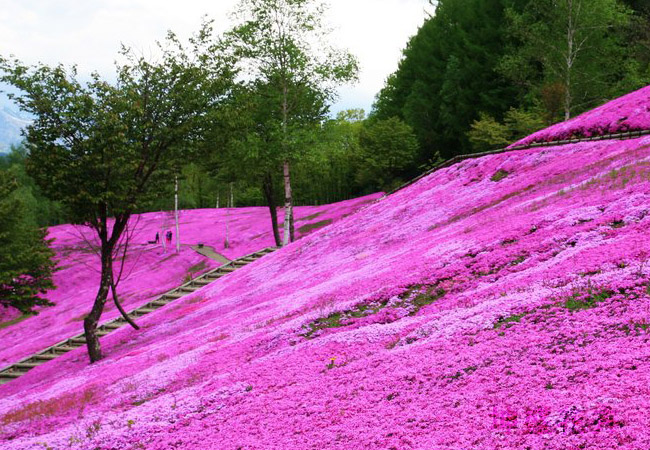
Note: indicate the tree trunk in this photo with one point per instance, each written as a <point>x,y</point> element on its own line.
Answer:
<point>288,199</point>
<point>92,319</point>
<point>119,306</point>
<point>106,279</point>
<point>269,195</point>
<point>569,59</point>
<point>288,204</point>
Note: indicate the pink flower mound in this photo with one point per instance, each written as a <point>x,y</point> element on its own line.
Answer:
<point>460,312</point>
<point>150,269</point>
<point>628,113</point>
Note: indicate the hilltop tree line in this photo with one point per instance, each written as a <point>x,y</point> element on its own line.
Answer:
<point>479,74</point>
<point>242,117</point>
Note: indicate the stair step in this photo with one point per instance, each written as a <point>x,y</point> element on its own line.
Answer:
<point>64,348</point>
<point>45,357</point>
<point>21,368</point>
<point>25,365</point>
<point>10,375</point>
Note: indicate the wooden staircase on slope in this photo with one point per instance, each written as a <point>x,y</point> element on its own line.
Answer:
<point>15,370</point>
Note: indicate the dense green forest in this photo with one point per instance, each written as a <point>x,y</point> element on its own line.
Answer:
<point>25,259</point>
<point>480,73</point>
<point>477,75</point>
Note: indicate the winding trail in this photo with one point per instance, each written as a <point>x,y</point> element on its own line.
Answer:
<point>21,367</point>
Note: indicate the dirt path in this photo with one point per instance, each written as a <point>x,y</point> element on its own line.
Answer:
<point>210,253</point>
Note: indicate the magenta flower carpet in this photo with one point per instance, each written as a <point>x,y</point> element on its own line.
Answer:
<point>503,302</point>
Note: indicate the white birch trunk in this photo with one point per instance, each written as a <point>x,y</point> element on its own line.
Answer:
<point>288,204</point>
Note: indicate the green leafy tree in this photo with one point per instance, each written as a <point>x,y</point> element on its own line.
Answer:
<point>248,156</point>
<point>489,134</point>
<point>577,44</point>
<point>283,44</point>
<point>26,261</point>
<point>388,147</point>
<point>43,211</point>
<point>104,150</point>
<point>447,76</point>
<point>326,173</point>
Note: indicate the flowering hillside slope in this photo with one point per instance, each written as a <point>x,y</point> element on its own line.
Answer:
<point>628,113</point>
<point>502,302</point>
<point>150,270</point>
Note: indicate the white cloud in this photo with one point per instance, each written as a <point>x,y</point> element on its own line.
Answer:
<point>89,32</point>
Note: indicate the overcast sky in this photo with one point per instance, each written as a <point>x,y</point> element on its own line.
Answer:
<point>89,32</point>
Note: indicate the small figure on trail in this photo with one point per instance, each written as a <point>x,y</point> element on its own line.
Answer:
<point>169,237</point>
<point>157,237</point>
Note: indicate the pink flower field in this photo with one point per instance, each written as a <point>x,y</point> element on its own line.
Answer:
<point>150,270</point>
<point>628,113</point>
<point>503,302</point>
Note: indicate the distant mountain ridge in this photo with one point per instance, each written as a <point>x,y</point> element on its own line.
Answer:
<point>11,124</point>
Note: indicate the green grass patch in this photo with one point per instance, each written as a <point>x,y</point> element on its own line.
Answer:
<point>590,273</point>
<point>499,175</point>
<point>334,320</point>
<point>587,299</point>
<point>617,224</point>
<point>430,295</point>
<point>518,261</point>
<point>414,298</point>
<point>314,226</point>
<point>312,217</point>
<point>509,321</point>
<point>11,322</point>
<point>637,327</point>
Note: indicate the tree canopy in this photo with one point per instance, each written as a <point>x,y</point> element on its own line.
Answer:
<point>26,263</point>
<point>283,46</point>
<point>475,60</point>
<point>105,149</point>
